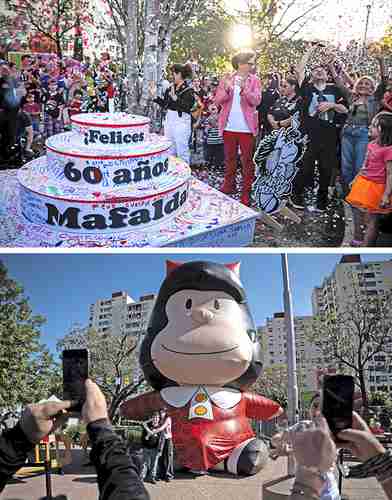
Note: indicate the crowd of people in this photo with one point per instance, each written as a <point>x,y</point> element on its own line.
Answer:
<point>119,470</point>
<point>217,121</point>
<point>38,98</point>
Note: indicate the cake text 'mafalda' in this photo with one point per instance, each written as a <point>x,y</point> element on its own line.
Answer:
<point>117,217</point>
<point>114,137</point>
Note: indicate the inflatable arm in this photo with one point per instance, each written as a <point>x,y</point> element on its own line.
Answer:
<point>261,408</point>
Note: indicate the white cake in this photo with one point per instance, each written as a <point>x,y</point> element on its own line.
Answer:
<point>107,175</point>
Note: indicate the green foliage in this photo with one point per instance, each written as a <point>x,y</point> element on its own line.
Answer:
<point>386,41</point>
<point>380,398</point>
<point>279,54</point>
<point>359,329</point>
<point>207,31</point>
<point>273,384</point>
<point>27,370</point>
<point>112,363</point>
<point>74,431</point>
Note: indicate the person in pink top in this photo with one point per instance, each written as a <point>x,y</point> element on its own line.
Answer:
<point>239,94</point>
<point>371,190</point>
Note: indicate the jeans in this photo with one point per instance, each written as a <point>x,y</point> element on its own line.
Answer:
<point>168,458</point>
<point>354,145</point>
<point>52,125</point>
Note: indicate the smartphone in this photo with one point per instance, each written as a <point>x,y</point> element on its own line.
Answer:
<point>337,401</point>
<point>75,373</point>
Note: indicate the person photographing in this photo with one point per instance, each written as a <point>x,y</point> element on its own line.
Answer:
<point>117,471</point>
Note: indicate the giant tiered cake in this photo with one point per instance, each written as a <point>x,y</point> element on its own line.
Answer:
<point>108,175</point>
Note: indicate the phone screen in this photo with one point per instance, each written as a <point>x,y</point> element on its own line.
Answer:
<point>337,401</point>
<point>75,373</point>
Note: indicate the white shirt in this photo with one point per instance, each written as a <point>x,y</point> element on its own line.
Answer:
<point>167,431</point>
<point>236,121</point>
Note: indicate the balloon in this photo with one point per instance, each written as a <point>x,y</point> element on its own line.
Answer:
<point>200,355</point>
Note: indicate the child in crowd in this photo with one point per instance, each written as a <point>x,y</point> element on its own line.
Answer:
<point>53,102</point>
<point>33,109</point>
<point>371,190</point>
<point>214,148</point>
<point>76,103</point>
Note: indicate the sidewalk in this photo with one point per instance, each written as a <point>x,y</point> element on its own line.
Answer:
<point>80,483</point>
<point>353,489</point>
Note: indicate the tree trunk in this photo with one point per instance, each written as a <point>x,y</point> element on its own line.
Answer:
<point>163,54</point>
<point>150,76</point>
<point>362,385</point>
<point>58,47</point>
<point>119,398</point>
<point>132,51</point>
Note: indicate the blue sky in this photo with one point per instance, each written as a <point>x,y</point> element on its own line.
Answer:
<point>61,287</point>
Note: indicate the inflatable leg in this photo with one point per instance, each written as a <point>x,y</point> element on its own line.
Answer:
<point>248,458</point>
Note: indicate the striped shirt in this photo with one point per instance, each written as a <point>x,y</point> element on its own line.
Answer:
<point>213,136</point>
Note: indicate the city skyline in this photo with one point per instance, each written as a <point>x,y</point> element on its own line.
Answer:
<point>52,282</point>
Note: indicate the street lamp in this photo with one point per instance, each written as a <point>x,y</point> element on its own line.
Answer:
<point>368,8</point>
<point>292,392</point>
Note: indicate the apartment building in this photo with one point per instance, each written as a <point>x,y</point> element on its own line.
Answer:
<point>309,359</point>
<point>353,278</point>
<point>121,314</point>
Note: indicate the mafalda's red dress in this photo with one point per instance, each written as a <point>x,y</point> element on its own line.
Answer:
<point>208,422</point>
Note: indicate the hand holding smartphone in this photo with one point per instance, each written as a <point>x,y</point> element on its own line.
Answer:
<point>75,374</point>
<point>337,402</point>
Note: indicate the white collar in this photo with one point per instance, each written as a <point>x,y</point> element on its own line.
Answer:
<point>224,397</point>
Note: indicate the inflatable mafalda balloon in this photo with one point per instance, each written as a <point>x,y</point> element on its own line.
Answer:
<point>200,354</point>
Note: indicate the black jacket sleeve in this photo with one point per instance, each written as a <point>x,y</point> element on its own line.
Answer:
<point>184,103</point>
<point>117,470</point>
<point>380,91</point>
<point>14,447</point>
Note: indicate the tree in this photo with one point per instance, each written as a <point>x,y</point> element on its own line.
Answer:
<point>273,19</point>
<point>274,26</point>
<point>357,333</point>
<point>27,370</point>
<point>281,55</point>
<point>208,31</point>
<point>113,364</point>
<point>146,28</point>
<point>54,19</point>
<point>273,384</point>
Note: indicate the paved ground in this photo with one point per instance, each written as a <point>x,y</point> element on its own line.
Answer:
<point>79,482</point>
<point>314,230</point>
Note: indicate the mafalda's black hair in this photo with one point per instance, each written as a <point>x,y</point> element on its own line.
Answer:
<point>202,276</point>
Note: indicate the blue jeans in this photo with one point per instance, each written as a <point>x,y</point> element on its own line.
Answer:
<point>354,145</point>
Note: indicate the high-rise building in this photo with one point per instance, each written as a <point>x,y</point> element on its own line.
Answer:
<point>309,358</point>
<point>351,279</point>
<point>121,314</point>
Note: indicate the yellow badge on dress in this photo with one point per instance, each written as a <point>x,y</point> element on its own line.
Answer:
<point>201,405</point>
